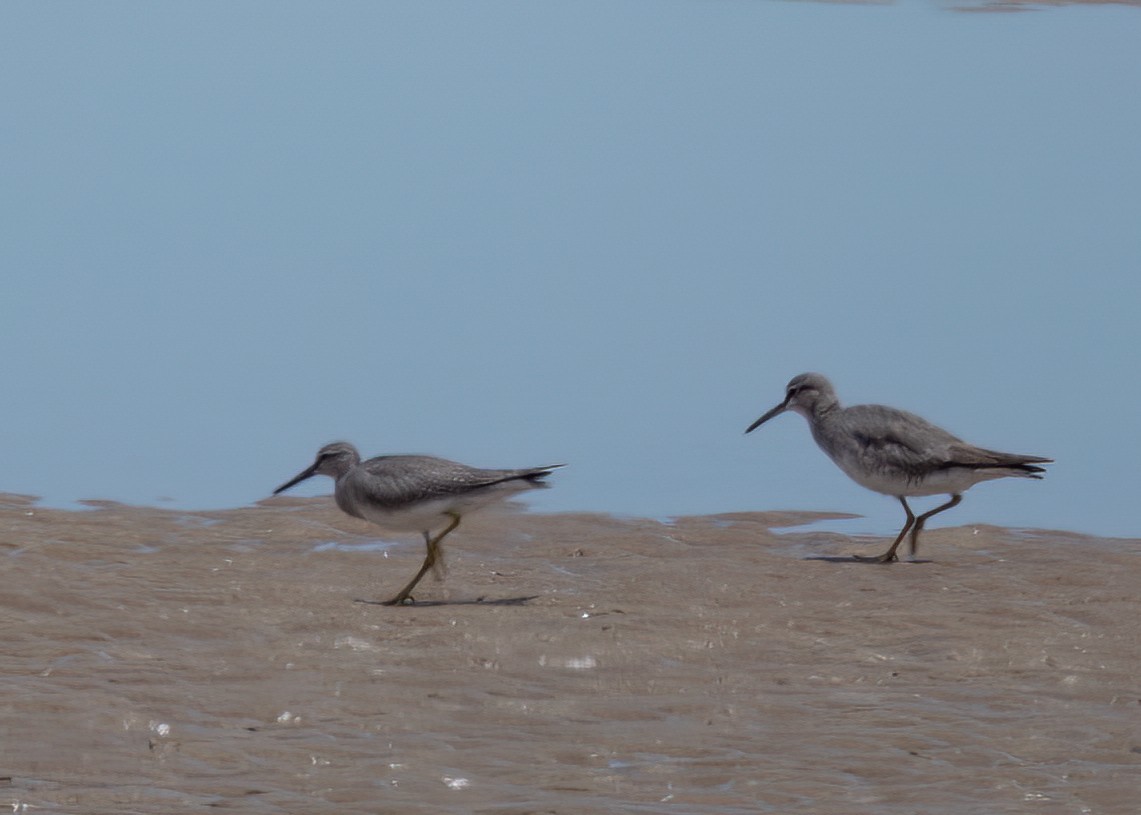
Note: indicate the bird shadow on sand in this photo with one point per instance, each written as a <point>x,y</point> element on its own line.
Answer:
<point>478,601</point>
<point>863,561</point>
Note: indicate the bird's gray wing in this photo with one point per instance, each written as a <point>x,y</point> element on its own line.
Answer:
<point>399,480</point>
<point>914,446</point>
<point>979,458</point>
<point>896,439</point>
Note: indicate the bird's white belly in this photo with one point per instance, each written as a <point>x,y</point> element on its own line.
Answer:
<point>423,516</point>
<point>950,481</point>
<point>419,518</point>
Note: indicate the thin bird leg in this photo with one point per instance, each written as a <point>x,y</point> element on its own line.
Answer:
<point>434,559</point>
<point>436,555</point>
<point>922,519</point>
<point>889,555</point>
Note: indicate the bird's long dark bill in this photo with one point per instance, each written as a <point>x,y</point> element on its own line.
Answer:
<point>297,479</point>
<point>781,408</point>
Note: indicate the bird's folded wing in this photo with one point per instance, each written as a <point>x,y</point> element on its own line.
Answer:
<point>900,440</point>
<point>399,480</point>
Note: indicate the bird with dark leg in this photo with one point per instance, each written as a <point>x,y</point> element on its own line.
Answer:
<point>414,493</point>
<point>896,453</point>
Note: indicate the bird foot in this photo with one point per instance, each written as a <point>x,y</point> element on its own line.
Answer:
<point>400,600</point>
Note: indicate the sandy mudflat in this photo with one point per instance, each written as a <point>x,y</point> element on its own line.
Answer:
<point>158,661</point>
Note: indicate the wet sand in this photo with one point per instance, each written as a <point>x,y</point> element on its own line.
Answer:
<point>159,661</point>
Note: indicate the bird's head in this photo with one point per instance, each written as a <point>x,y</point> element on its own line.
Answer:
<point>333,460</point>
<point>806,394</point>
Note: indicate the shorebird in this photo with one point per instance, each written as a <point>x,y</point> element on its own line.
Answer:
<point>414,493</point>
<point>895,452</point>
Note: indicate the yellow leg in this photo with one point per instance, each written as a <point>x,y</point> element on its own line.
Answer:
<point>434,559</point>
<point>922,519</point>
<point>889,555</point>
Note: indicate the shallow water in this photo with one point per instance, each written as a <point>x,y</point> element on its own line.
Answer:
<point>160,661</point>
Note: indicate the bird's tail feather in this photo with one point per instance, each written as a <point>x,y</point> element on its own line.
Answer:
<point>538,474</point>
